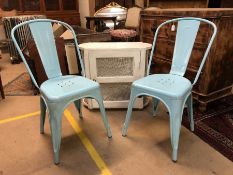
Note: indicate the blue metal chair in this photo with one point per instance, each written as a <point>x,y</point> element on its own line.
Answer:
<point>58,91</point>
<point>172,89</point>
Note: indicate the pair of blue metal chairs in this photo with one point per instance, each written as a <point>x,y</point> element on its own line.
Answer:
<point>59,91</point>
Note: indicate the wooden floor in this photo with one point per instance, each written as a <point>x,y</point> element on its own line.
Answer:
<point>85,148</point>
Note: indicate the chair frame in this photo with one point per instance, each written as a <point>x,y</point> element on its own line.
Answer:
<point>56,106</point>
<point>175,106</point>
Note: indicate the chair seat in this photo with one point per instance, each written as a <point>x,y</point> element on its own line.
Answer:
<point>63,87</point>
<point>172,86</point>
<point>123,33</point>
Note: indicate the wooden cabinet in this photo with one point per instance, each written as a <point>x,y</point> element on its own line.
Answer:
<point>177,3</point>
<point>115,66</point>
<point>63,10</point>
<point>190,3</point>
<point>216,79</point>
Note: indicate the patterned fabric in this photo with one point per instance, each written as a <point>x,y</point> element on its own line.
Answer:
<point>123,33</point>
<point>215,125</point>
<point>20,86</point>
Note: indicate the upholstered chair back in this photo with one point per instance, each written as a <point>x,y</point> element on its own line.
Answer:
<point>133,18</point>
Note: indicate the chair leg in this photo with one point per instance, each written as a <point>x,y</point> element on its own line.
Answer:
<point>98,97</point>
<point>155,103</point>
<point>1,88</point>
<point>78,105</point>
<point>42,115</point>
<point>189,103</point>
<point>175,125</point>
<point>55,119</point>
<point>133,96</point>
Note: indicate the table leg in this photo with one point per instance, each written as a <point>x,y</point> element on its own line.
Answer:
<point>88,25</point>
<point>1,88</point>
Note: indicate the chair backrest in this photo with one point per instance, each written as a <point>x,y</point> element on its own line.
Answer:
<point>42,33</point>
<point>133,17</point>
<point>186,33</point>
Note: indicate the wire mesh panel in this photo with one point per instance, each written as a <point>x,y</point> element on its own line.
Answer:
<point>115,91</point>
<point>114,66</point>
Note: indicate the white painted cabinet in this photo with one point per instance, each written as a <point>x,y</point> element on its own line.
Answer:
<point>115,65</point>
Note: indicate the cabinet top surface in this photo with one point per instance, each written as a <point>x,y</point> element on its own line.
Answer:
<point>189,11</point>
<point>115,45</point>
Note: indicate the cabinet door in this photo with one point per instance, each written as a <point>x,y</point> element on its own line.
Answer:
<point>31,5</point>
<point>69,4</point>
<point>10,4</point>
<point>52,5</point>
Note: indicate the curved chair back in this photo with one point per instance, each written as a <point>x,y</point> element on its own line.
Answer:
<point>187,29</point>
<point>42,33</point>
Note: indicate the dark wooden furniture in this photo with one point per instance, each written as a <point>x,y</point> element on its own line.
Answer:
<point>99,22</point>
<point>216,80</point>
<point>177,3</point>
<point>63,10</point>
<point>190,3</point>
<point>35,63</point>
<point>220,3</point>
<point>86,35</point>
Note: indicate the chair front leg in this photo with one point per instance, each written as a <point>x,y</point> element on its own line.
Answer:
<point>176,112</point>
<point>55,119</point>
<point>96,94</point>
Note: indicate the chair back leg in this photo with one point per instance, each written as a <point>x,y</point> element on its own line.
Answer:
<point>96,94</point>
<point>189,103</point>
<point>133,96</point>
<point>78,105</point>
<point>42,115</point>
<point>155,103</point>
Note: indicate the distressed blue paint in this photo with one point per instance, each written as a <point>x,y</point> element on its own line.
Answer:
<point>58,91</point>
<point>172,89</point>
